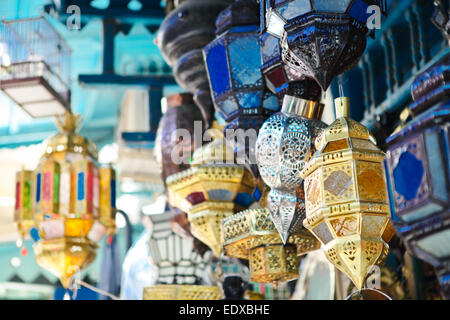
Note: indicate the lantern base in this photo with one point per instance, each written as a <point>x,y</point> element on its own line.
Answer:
<point>182,292</point>
<point>63,257</point>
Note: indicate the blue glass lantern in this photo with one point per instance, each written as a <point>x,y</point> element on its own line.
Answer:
<point>418,169</point>
<point>320,38</point>
<point>234,68</point>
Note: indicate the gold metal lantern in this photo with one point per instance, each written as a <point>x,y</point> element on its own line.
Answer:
<point>182,292</point>
<point>212,189</point>
<point>67,203</point>
<point>346,197</point>
<point>252,235</point>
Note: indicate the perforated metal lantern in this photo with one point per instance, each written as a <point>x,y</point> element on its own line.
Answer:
<point>284,145</point>
<point>212,189</point>
<point>320,38</point>
<point>251,235</point>
<point>419,172</point>
<point>234,68</point>
<point>73,201</point>
<point>346,198</point>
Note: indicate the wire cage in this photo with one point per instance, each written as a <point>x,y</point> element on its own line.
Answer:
<point>174,256</point>
<point>35,66</point>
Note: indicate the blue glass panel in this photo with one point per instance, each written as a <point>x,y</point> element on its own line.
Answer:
<point>394,217</point>
<point>358,10</point>
<point>250,100</point>
<point>38,188</point>
<point>34,234</point>
<point>270,47</point>
<point>294,8</point>
<point>331,6</point>
<point>113,193</point>
<point>216,63</point>
<point>227,106</point>
<point>80,189</point>
<point>434,154</point>
<point>408,175</point>
<point>257,194</point>
<point>244,199</point>
<point>245,62</point>
<point>271,102</point>
<point>220,195</point>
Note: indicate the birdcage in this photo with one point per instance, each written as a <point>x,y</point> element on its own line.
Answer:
<point>35,66</point>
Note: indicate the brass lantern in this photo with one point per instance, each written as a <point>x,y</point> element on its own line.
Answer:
<point>73,201</point>
<point>212,189</point>
<point>346,197</point>
<point>251,235</point>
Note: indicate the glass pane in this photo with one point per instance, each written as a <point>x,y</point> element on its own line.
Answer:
<point>250,100</point>
<point>271,102</point>
<point>275,24</point>
<point>332,6</point>
<point>228,106</point>
<point>270,47</point>
<point>244,51</point>
<point>436,244</point>
<point>435,159</point>
<point>216,63</point>
<point>295,8</point>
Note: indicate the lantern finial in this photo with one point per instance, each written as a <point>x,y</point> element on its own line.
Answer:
<point>68,123</point>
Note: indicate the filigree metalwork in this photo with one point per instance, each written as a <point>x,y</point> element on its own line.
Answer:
<point>182,292</point>
<point>347,207</point>
<point>251,235</point>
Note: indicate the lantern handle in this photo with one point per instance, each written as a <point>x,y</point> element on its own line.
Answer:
<point>359,292</point>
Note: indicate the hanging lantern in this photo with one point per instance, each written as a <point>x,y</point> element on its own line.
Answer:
<point>212,189</point>
<point>181,37</point>
<point>320,38</point>
<point>283,147</point>
<point>251,235</point>
<point>234,71</point>
<point>181,114</point>
<point>419,173</point>
<point>346,199</point>
<point>179,267</point>
<point>73,202</point>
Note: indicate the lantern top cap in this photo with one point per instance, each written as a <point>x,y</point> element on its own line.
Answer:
<point>239,13</point>
<point>68,140</point>
<point>343,127</point>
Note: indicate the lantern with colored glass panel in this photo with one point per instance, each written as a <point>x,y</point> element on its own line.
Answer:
<point>346,198</point>
<point>234,71</point>
<point>212,189</point>
<point>419,172</point>
<point>73,202</point>
<point>321,38</point>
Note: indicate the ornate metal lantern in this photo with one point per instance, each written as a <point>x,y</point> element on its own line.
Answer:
<point>181,37</point>
<point>284,145</point>
<point>234,70</point>
<point>419,172</point>
<point>179,267</point>
<point>212,189</point>
<point>251,235</point>
<point>276,74</point>
<point>320,38</point>
<point>73,201</point>
<point>346,198</point>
